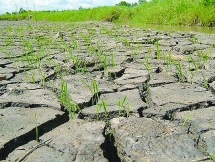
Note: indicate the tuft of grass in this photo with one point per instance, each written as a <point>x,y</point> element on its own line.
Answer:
<point>147,65</point>
<point>205,83</point>
<point>121,104</point>
<point>212,156</point>
<point>158,51</point>
<point>180,72</point>
<point>66,101</point>
<point>185,120</point>
<point>93,87</point>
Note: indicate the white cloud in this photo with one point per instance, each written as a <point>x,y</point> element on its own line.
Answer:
<point>15,5</point>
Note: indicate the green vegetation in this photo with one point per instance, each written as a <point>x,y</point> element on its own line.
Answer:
<point>186,120</point>
<point>66,101</point>
<point>165,12</point>
<point>121,105</point>
<point>212,156</point>
<point>93,87</point>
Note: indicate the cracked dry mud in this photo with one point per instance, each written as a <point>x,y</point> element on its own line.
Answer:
<point>100,92</point>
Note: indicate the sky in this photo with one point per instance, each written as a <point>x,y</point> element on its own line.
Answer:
<point>15,5</point>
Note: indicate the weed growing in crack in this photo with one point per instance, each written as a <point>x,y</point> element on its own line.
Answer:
<point>179,74</point>
<point>93,87</point>
<point>111,134</point>
<point>112,60</point>
<point>212,156</point>
<point>121,104</point>
<point>192,75</point>
<point>127,44</point>
<point>194,39</point>
<point>205,83</point>
<point>147,92</point>
<point>195,63</point>
<point>66,101</point>
<point>28,45</point>
<point>64,92</point>
<point>185,120</point>
<point>33,77</point>
<point>26,76</point>
<point>128,111</point>
<point>158,51</point>
<point>58,70</point>
<point>74,44</point>
<point>147,65</point>
<point>203,58</point>
<point>76,60</point>
<point>104,105</point>
<point>72,109</point>
<point>43,78</point>
<point>167,61</point>
<point>84,67</point>
<point>134,55</point>
<point>7,54</point>
<point>150,51</point>
<point>104,62</point>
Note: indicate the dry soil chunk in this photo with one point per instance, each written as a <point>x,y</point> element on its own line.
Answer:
<point>76,140</point>
<point>144,139</point>
<point>179,93</point>
<point>18,124</point>
<point>207,142</point>
<point>201,119</point>
<point>202,126</point>
<point>160,79</point>
<point>28,95</point>
<point>132,76</point>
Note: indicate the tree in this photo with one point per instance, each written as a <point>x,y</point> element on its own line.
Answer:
<point>123,3</point>
<point>209,2</point>
<point>21,10</point>
<point>14,13</point>
<point>141,2</point>
<point>134,4</point>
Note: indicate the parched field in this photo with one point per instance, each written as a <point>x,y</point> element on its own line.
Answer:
<point>95,91</point>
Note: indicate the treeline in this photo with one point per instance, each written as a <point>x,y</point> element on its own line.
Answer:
<point>23,11</point>
<point>124,3</point>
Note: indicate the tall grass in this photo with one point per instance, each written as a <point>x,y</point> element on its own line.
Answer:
<point>175,12</point>
<point>162,12</point>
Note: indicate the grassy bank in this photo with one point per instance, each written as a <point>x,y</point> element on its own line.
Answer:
<point>162,12</point>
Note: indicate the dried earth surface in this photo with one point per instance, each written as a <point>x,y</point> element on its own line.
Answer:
<point>95,91</point>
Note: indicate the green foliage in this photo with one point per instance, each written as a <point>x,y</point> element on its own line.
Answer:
<point>209,2</point>
<point>141,2</point>
<point>134,4</point>
<point>123,3</point>
<point>66,101</point>
<point>185,120</point>
<point>162,12</point>
<point>21,10</point>
<point>93,87</point>
<point>171,12</point>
